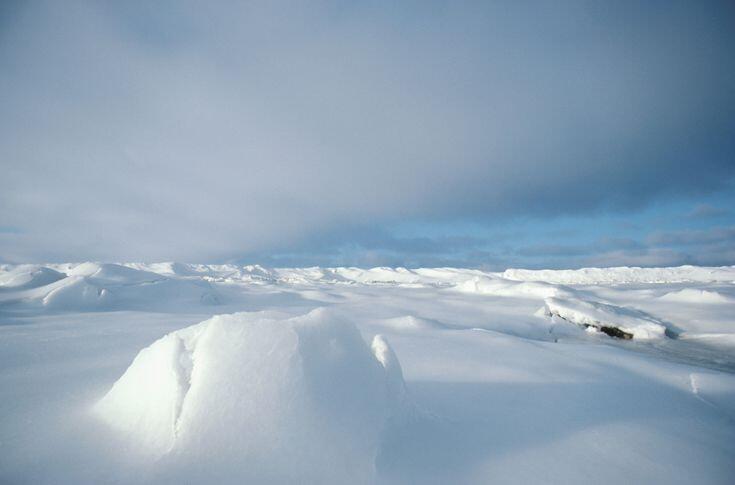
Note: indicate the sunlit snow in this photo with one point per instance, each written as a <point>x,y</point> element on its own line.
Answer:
<point>185,373</point>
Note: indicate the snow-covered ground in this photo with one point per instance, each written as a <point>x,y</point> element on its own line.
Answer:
<point>348,375</point>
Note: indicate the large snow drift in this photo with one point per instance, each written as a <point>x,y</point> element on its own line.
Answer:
<point>296,399</point>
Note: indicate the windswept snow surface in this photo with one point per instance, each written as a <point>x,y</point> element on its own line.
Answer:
<point>189,373</point>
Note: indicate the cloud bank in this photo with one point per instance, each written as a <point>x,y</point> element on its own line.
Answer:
<point>181,130</point>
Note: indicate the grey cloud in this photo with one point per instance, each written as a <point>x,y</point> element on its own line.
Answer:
<point>603,244</point>
<point>180,130</point>
<point>707,211</point>
<point>714,246</point>
<point>643,257</point>
<point>373,246</point>
<point>714,235</point>
<point>554,250</point>
<point>707,256</point>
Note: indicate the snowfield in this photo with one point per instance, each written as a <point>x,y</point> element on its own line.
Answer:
<point>188,373</point>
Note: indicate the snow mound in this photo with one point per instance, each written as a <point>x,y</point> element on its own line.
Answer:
<point>113,273</point>
<point>75,292</point>
<point>613,320</point>
<point>692,295</point>
<point>485,285</point>
<point>410,323</point>
<point>27,276</point>
<point>166,268</point>
<point>275,400</point>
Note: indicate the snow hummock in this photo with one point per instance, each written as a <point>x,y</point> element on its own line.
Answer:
<point>267,399</point>
<point>692,295</point>
<point>76,292</point>
<point>27,276</point>
<point>601,316</point>
<point>493,285</point>
<point>114,273</point>
<point>409,323</point>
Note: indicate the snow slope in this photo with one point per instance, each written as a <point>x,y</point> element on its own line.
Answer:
<point>121,373</point>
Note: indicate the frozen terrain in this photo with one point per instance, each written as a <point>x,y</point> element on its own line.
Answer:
<point>186,373</point>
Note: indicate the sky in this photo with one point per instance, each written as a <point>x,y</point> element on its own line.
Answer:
<point>418,133</point>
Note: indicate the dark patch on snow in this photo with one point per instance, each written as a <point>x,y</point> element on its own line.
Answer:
<point>614,332</point>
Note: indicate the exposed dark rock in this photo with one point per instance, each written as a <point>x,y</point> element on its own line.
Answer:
<point>614,332</point>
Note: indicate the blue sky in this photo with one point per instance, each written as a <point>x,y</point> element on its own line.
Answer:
<point>694,230</point>
<point>482,134</point>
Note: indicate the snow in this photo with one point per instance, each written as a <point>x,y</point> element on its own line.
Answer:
<point>410,323</point>
<point>618,275</point>
<point>191,373</point>
<point>486,285</point>
<point>602,316</point>
<point>105,287</point>
<point>300,398</point>
<point>28,276</point>
<point>690,295</point>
